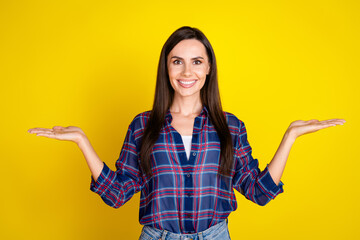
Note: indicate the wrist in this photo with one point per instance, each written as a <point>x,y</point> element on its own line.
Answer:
<point>290,135</point>
<point>81,140</point>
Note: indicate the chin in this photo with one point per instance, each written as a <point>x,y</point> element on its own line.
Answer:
<point>187,94</point>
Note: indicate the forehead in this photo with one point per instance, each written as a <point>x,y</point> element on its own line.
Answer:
<point>188,47</point>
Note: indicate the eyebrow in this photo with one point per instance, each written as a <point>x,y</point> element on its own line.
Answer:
<point>183,59</point>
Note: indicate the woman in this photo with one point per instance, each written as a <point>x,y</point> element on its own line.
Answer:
<point>186,155</point>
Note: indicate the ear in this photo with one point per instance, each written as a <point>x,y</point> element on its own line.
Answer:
<point>208,70</point>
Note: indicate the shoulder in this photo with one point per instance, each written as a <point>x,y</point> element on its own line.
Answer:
<point>237,130</point>
<point>233,121</point>
<point>139,121</point>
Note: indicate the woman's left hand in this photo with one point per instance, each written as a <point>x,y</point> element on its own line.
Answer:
<point>300,127</point>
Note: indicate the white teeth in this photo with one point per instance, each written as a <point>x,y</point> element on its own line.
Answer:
<point>188,83</point>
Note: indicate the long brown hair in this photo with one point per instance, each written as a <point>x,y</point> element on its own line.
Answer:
<point>164,94</point>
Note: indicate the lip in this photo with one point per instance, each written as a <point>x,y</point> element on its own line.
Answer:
<point>188,83</point>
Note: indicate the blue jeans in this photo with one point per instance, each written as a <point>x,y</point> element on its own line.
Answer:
<point>219,231</point>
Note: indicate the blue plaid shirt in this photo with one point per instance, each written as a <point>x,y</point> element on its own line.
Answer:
<point>185,195</point>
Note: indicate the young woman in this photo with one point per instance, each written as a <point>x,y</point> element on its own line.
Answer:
<point>186,155</point>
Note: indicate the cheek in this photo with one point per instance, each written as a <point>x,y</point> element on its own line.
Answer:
<point>201,72</point>
<point>174,71</point>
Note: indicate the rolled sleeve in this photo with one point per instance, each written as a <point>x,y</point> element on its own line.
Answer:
<point>268,186</point>
<point>100,185</point>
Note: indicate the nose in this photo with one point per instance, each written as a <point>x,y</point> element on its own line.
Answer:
<point>187,70</point>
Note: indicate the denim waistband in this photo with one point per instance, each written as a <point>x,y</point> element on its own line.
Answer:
<point>164,234</point>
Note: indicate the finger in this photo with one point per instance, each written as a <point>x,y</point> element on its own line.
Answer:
<point>337,122</point>
<point>329,124</point>
<point>319,127</point>
<point>41,131</point>
<point>34,130</point>
<point>40,128</point>
<point>333,121</point>
<point>49,135</point>
<point>326,124</point>
<point>336,119</point>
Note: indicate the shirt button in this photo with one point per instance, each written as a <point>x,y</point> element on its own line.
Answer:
<point>188,175</point>
<point>194,153</point>
<point>188,194</point>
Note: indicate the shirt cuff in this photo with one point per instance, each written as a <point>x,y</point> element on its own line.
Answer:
<point>268,186</point>
<point>99,186</point>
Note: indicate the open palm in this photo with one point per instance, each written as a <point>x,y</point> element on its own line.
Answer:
<point>70,133</point>
<point>301,127</point>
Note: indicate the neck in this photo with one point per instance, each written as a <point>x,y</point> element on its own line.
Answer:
<point>186,106</point>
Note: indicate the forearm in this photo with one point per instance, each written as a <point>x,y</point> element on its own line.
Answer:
<point>92,159</point>
<point>277,165</point>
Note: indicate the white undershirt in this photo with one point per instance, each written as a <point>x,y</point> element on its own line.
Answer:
<point>187,144</point>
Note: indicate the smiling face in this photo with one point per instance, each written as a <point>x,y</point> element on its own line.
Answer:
<point>188,66</point>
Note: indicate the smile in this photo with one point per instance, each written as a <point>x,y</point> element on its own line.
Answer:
<point>186,84</point>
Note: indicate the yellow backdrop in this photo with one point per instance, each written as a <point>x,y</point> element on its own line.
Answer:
<point>93,64</point>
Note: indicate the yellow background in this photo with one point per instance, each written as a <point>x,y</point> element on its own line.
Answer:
<point>93,64</point>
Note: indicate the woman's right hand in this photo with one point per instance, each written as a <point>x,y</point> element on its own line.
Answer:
<point>70,133</point>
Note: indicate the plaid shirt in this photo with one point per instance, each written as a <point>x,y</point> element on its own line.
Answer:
<point>185,195</point>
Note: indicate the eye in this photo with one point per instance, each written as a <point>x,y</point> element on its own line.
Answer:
<point>197,62</point>
<point>177,62</point>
